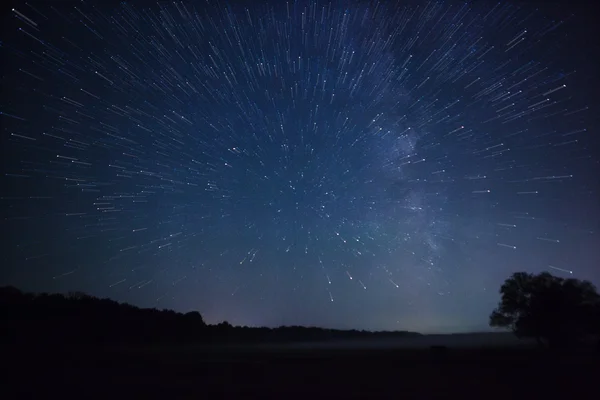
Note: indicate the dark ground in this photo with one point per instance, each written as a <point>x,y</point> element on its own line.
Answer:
<point>284,372</point>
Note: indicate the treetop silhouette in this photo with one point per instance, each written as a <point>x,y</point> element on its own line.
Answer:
<point>553,310</point>
<point>78,318</point>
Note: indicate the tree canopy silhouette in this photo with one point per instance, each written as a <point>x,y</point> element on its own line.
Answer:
<point>553,310</point>
<point>78,318</point>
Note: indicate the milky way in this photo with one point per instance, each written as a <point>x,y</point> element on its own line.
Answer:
<point>345,164</point>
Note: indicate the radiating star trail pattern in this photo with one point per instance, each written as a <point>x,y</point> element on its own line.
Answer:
<point>369,165</point>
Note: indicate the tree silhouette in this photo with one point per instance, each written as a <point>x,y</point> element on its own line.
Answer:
<point>553,310</point>
<point>78,318</point>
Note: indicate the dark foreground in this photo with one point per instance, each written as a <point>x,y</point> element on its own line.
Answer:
<point>300,372</point>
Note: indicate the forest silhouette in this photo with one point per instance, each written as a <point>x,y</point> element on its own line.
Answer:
<point>78,318</point>
<point>556,312</point>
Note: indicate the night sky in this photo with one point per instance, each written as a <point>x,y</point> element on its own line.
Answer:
<point>368,165</point>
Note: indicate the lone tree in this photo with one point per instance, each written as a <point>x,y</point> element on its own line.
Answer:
<point>554,311</point>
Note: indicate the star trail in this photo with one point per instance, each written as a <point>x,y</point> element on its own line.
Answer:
<point>369,165</point>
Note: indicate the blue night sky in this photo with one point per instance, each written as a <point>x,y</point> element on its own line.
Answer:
<point>367,165</point>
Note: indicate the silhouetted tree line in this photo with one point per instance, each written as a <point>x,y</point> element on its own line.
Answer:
<point>77,318</point>
<point>556,312</point>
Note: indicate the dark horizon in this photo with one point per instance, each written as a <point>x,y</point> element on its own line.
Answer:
<point>489,330</point>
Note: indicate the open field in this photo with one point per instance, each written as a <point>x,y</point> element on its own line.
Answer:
<point>488,369</point>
